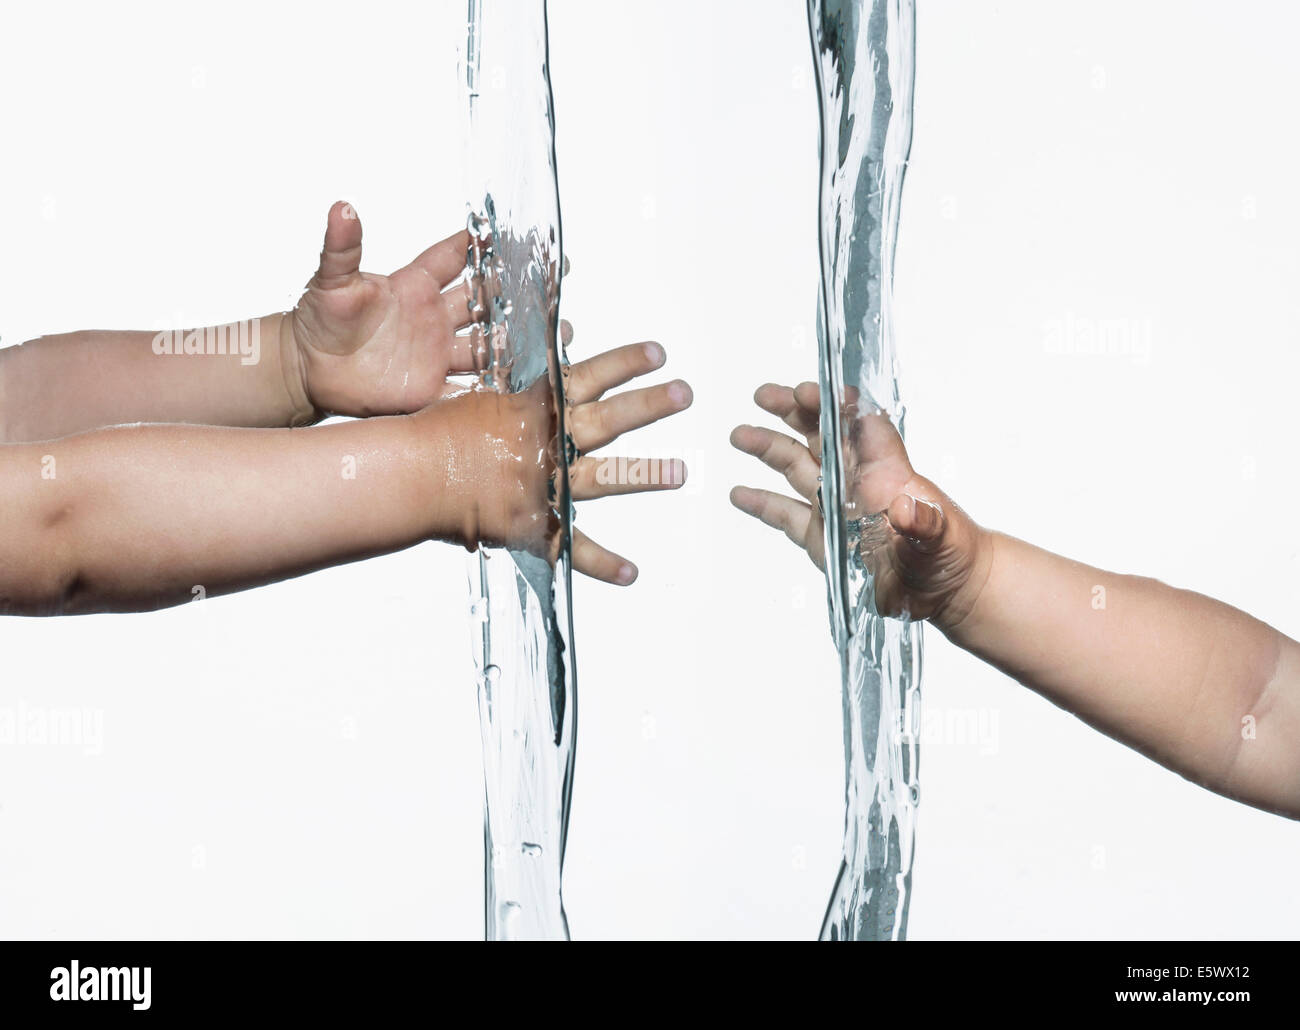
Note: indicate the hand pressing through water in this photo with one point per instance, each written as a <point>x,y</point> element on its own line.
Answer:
<point>506,454</point>
<point>594,422</point>
<point>924,561</point>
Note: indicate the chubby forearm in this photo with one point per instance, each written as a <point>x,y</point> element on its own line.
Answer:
<point>1195,684</point>
<point>137,517</point>
<point>242,374</point>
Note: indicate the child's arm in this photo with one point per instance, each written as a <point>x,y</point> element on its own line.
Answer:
<point>137,517</point>
<point>356,344</point>
<point>1199,686</point>
<point>1195,684</point>
<point>58,385</point>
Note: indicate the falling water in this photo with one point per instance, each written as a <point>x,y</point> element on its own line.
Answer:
<point>521,616</point>
<point>863,52</point>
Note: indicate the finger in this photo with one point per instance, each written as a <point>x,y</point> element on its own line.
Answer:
<point>872,433</point>
<point>467,352</point>
<point>600,422</point>
<point>609,476</point>
<point>588,380</point>
<point>566,332</point>
<point>781,453</point>
<point>874,438</point>
<point>595,561</point>
<point>340,257</point>
<point>791,517</point>
<point>919,520</point>
<point>775,399</point>
<point>808,397</point>
<point>445,260</point>
<point>781,401</point>
<point>458,303</point>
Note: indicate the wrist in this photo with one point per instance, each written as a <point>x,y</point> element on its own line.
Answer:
<point>439,457</point>
<point>484,457</point>
<point>956,617</point>
<point>299,409</point>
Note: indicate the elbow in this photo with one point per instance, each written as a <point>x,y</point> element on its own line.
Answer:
<point>53,592</point>
<point>1264,772</point>
<point>48,595</point>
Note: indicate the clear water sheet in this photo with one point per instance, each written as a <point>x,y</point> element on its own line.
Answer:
<point>864,53</point>
<point>521,616</point>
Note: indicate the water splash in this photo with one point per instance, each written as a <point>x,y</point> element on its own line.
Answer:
<point>521,615</point>
<point>863,52</point>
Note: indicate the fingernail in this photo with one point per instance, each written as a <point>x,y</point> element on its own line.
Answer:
<point>679,393</point>
<point>655,354</point>
<point>679,473</point>
<point>627,573</point>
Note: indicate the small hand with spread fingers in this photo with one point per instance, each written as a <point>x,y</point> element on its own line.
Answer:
<point>507,441</point>
<point>924,549</point>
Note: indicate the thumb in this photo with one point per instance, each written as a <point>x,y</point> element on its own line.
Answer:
<point>921,521</point>
<point>340,258</point>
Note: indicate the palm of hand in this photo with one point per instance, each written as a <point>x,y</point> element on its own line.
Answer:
<point>917,556</point>
<point>381,344</point>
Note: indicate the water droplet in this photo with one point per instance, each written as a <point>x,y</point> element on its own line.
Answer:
<point>508,915</point>
<point>491,677</point>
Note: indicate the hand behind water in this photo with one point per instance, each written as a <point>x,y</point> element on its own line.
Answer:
<point>923,560</point>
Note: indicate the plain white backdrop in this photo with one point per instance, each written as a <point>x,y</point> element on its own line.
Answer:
<point>1098,327</point>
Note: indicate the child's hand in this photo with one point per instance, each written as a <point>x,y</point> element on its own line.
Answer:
<point>927,556</point>
<point>379,344</point>
<point>506,462</point>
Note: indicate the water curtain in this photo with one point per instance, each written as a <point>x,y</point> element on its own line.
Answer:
<point>863,52</point>
<point>521,612</point>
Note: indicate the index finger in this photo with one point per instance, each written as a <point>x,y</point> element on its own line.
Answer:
<point>445,260</point>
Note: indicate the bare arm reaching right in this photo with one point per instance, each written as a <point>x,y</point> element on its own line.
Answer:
<point>1193,683</point>
<point>135,517</point>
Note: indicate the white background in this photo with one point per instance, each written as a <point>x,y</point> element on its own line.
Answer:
<point>303,760</point>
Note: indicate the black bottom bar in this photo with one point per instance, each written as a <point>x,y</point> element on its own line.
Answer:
<point>378,983</point>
